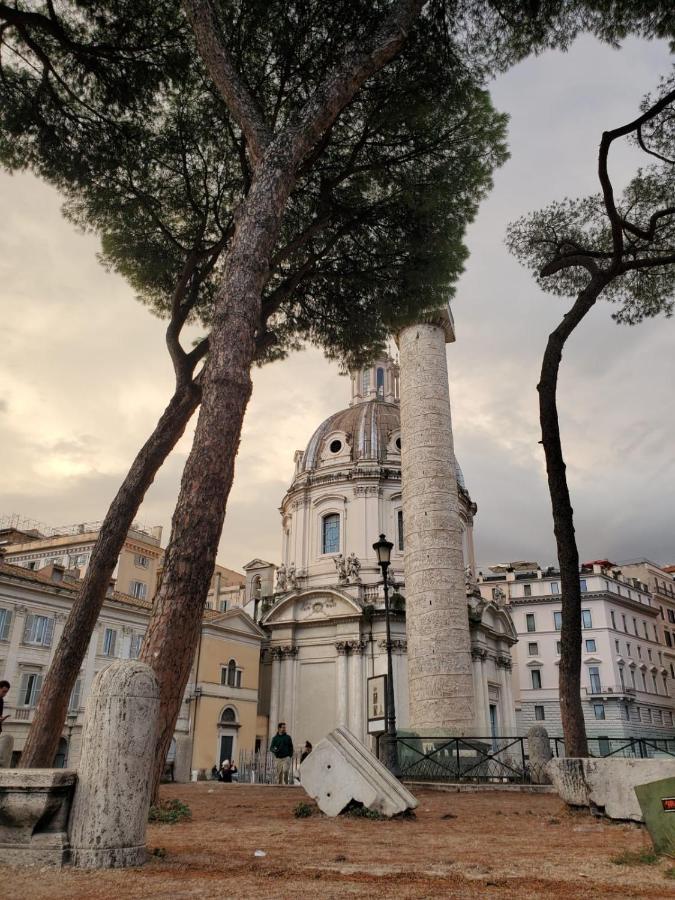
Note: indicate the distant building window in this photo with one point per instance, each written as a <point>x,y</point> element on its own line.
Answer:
<point>527,590</point>
<point>644,628</point>
<point>75,696</point>
<point>38,630</point>
<point>590,646</point>
<point>536,679</point>
<point>138,589</point>
<point>532,649</point>
<point>599,710</point>
<point>135,648</point>
<point>639,650</point>
<point>231,675</point>
<point>623,683</point>
<point>399,528</point>
<point>330,542</point>
<point>539,713</point>
<point>613,618</point>
<point>625,711</point>
<point>29,691</point>
<point>586,619</point>
<point>656,689</point>
<point>669,640</point>
<point>5,624</point>
<point>635,628</point>
<point>109,642</point>
<point>594,677</point>
<point>628,649</point>
<point>365,382</point>
<point>335,446</point>
<point>625,627</point>
<point>142,561</point>
<point>380,382</point>
<point>529,622</point>
<point>555,587</point>
<point>558,647</point>
<point>671,616</point>
<point>644,681</point>
<point>557,620</point>
<point>582,584</point>
<point>616,644</point>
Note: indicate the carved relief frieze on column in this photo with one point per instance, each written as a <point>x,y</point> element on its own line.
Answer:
<point>357,646</point>
<point>343,647</point>
<point>289,651</point>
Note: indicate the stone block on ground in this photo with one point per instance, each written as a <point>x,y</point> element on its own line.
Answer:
<point>119,739</point>
<point>340,769</point>
<point>34,809</point>
<point>657,802</point>
<point>607,785</point>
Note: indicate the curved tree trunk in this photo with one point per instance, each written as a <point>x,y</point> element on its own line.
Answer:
<point>571,709</point>
<point>50,713</point>
<point>197,523</point>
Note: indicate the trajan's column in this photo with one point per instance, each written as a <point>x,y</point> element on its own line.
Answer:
<point>437,623</point>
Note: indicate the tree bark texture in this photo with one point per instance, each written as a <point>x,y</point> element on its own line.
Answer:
<point>571,708</point>
<point>198,519</point>
<point>50,714</point>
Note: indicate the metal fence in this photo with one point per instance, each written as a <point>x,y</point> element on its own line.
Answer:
<point>505,759</point>
<point>261,767</point>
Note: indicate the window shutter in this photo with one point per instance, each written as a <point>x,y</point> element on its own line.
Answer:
<point>49,633</point>
<point>27,628</point>
<point>74,703</point>
<point>6,625</point>
<point>23,688</point>
<point>35,693</point>
<point>135,648</point>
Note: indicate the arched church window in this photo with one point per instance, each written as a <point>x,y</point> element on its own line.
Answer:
<point>232,673</point>
<point>228,716</point>
<point>380,382</point>
<point>330,542</point>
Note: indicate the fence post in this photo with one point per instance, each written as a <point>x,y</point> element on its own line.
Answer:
<point>459,770</point>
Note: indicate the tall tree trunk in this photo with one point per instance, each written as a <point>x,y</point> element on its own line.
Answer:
<point>571,709</point>
<point>50,714</point>
<point>197,522</point>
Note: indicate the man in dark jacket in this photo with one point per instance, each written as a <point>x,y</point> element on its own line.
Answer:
<point>282,748</point>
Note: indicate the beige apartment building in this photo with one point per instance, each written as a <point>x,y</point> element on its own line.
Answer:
<point>219,715</point>
<point>34,546</point>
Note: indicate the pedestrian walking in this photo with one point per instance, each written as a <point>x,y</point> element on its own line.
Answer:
<point>282,748</point>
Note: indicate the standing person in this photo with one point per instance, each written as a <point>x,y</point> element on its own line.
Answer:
<point>307,749</point>
<point>226,772</point>
<point>4,687</point>
<point>282,748</point>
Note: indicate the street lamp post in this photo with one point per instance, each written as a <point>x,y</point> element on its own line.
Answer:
<point>388,750</point>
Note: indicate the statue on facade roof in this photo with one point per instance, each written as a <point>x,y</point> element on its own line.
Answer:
<point>353,566</point>
<point>292,577</point>
<point>340,567</point>
<point>281,579</point>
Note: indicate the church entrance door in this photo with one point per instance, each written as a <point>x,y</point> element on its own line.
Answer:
<point>226,742</point>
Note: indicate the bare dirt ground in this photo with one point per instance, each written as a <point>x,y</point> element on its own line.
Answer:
<point>458,845</point>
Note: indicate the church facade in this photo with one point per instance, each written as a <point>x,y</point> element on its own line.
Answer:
<point>326,624</point>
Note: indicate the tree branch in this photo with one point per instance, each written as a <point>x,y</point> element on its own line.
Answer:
<point>239,100</point>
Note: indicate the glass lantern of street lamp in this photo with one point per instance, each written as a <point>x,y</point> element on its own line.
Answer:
<point>383,548</point>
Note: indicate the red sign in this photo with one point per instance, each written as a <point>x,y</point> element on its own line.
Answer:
<point>668,804</point>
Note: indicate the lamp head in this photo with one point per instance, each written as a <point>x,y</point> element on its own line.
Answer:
<point>383,549</point>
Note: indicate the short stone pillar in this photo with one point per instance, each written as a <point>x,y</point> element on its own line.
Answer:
<point>181,768</point>
<point>6,747</point>
<point>110,809</point>
<point>540,753</point>
<point>440,677</point>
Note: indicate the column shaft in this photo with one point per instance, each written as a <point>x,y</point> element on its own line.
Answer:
<point>439,655</point>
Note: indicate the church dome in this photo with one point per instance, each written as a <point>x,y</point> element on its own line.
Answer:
<point>369,430</point>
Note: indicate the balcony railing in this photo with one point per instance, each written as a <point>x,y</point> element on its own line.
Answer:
<point>602,690</point>
<point>22,714</point>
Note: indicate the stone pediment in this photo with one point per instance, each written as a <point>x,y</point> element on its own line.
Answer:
<point>314,605</point>
<point>257,564</point>
<point>238,620</point>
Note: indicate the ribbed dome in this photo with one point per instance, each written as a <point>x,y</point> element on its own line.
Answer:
<point>370,427</point>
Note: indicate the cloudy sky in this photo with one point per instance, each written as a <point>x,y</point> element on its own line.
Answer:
<point>84,374</point>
